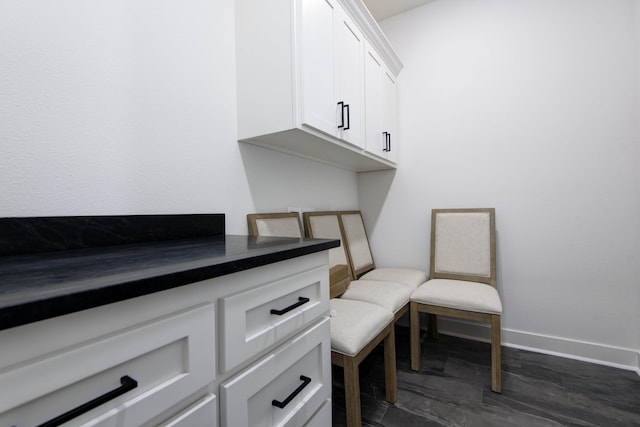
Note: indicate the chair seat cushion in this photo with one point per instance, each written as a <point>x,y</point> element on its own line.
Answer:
<point>408,276</point>
<point>459,294</point>
<point>390,295</point>
<point>354,324</point>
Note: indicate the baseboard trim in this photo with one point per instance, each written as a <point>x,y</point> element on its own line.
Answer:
<point>601,354</point>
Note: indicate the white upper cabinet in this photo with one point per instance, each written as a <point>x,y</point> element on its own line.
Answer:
<point>375,135</point>
<point>301,79</point>
<point>389,115</point>
<point>380,100</point>
<point>349,80</point>
<point>319,88</point>
<point>331,71</point>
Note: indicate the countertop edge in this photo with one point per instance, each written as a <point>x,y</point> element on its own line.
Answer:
<point>42,309</point>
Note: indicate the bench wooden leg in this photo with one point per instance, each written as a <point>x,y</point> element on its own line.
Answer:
<point>496,359</point>
<point>390,380</point>
<point>352,392</point>
<point>415,336</point>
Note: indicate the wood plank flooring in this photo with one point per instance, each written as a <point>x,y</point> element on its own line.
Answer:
<point>453,389</point>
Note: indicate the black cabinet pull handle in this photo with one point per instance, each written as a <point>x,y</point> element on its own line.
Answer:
<point>301,301</point>
<point>389,142</point>
<point>386,141</point>
<point>128,384</point>
<point>341,105</point>
<point>305,382</point>
<point>348,126</point>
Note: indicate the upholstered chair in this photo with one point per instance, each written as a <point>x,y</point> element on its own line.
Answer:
<point>275,224</point>
<point>356,327</point>
<point>389,294</point>
<point>462,279</point>
<point>361,259</point>
<point>283,224</point>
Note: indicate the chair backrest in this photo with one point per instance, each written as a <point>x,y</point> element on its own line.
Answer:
<point>356,243</point>
<point>463,245</point>
<point>326,225</point>
<point>275,224</point>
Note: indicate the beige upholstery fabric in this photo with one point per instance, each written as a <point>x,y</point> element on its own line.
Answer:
<point>327,227</point>
<point>389,295</point>
<point>354,324</point>
<point>407,276</point>
<point>463,243</point>
<point>357,240</point>
<point>459,294</point>
<point>280,227</point>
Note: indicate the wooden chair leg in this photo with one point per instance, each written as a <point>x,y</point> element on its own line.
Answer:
<point>415,336</point>
<point>390,380</point>
<point>496,360</point>
<point>352,392</point>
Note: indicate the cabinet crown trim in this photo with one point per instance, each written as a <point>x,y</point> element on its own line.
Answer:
<point>361,15</point>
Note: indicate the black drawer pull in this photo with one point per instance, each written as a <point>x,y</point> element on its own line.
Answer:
<point>341,105</point>
<point>301,301</point>
<point>128,384</point>
<point>305,382</point>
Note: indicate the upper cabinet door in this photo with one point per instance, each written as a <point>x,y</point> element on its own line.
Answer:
<point>349,79</point>
<point>375,136</point>
<point>318,65</point>
<point>332,83</point>
<point>380,97</point>
<point>389,114</point>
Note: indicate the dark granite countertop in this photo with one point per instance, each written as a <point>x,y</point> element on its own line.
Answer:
<point>42,285</point>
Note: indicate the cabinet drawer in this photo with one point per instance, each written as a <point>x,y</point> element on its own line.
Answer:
<point>202,413</point>
<point>254,320</point>
<point>251,398</point>
<point>322,418</point>
<point>169,358</point>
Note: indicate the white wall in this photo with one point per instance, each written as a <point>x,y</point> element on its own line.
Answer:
<point>528,107</point>
<point>637,71</point>
<point>128,107</point>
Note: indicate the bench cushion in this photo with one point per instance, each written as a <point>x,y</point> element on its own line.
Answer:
<point>355,323</point>
<point>459,294</point>
<point>408,276</point>
<point>390,295</point>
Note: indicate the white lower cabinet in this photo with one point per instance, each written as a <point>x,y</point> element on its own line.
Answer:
<point>202,413</point>
<point>254,320</point>
<point>322,417</point>
<point>153,360</point>
<point>286,387</point>
<point>134,374</point>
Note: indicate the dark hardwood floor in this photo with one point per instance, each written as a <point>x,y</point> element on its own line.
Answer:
<point>452,389</point>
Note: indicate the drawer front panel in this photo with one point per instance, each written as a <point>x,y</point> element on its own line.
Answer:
<point>169,359</point>
<point>248,399</point>
<point>254,320</point>
<point>322,418</point>
<point>202,413</point>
